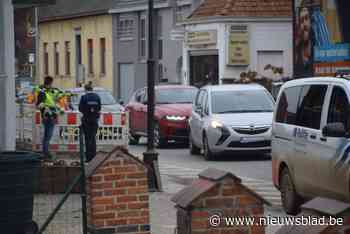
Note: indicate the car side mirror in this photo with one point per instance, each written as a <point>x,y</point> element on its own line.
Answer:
<point>334,130</point>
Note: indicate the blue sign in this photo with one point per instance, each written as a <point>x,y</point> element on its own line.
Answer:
<point>332,53</point>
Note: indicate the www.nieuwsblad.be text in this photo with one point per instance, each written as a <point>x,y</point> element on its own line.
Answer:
<point>217,220</point>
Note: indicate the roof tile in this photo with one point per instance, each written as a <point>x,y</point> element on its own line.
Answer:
<point>250,8</point>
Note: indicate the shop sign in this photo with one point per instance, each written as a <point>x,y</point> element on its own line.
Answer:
<point>331,68</point>
<point>238,46</point>
<point>201,38</point>
<point>332,53</point>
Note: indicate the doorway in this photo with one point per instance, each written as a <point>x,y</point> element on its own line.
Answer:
<point>126,81</point>
<point>204,69</point>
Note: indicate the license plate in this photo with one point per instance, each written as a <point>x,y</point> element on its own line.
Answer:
<point>251,139</point>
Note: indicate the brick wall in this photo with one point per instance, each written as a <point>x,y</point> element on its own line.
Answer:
<point>117,196</point>
<point>225,197</point>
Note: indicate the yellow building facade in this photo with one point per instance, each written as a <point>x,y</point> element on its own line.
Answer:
<point>59,55</point>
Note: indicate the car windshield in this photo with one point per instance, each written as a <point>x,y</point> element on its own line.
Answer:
<point>241,101</point>
<point>178,95</point>
<point>106,98</point>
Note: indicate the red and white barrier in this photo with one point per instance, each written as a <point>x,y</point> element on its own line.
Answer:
<point>113,130</point>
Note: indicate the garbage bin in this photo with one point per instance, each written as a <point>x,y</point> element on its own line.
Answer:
<point>18,176</point>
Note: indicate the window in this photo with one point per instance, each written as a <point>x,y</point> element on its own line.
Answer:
<point>160,71</point>
<point>125,29</point>
<point>287,106</point>
<point>199,98</point>
<point>241,101</point>
<point>67,52</point>
<point>175,95</point>
<point>144,97</point>
<point>160,37</point>
<point>90,56</point>
<point>142,37</point>
<point>139,95</point>
<point>46,59</point>
<point>339,107</point>
<point>310,106</point>
<point>56,58</point>
<point>103,55</point>
<point>205,103</point>
<point>160,48</point>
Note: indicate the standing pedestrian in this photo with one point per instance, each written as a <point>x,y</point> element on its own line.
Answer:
<point>90,107</point>
<point>47,97</point>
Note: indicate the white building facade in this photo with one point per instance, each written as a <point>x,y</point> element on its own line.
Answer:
<point>225,38</point>
<point>269,41</point>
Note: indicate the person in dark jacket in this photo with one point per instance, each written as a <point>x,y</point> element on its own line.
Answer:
<point>90,107</point>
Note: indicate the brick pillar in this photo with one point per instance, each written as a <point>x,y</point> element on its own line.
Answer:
<point>217,193</point>
<point>117,191</point>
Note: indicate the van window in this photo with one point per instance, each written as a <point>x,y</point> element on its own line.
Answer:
<point>287,106</point>
<point>310,106</point>
<point>339,107</point>
<point>199,98</point>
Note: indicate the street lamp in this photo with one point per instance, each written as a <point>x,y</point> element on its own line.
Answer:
<point>150,157</point>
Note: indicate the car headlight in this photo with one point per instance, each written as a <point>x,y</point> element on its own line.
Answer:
<point>216,124</point>
<point>175,118</point>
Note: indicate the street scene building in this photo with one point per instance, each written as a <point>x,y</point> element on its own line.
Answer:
<point>76,43</point>
<point>225,38</point>
<point>130,42</point>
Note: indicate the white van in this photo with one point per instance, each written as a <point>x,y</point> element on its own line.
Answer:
<point>311,141</point>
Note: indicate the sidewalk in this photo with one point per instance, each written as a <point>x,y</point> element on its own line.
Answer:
<point>163,212</point>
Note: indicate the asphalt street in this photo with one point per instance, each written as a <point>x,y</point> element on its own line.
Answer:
<point>254,170</point>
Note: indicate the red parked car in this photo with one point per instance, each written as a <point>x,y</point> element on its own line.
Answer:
<point>173,106</point>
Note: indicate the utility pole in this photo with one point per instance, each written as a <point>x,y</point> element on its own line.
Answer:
<point>150,157</point>
<point>37,38</point>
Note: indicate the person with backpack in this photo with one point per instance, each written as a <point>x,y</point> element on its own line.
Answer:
<point>90,107</point>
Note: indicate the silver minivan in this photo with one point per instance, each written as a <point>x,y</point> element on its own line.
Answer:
<point>231,118</point>
<point>311,141</point>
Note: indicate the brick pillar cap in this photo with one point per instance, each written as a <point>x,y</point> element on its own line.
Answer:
<point>214,174</point>
<point>326,206</point>
<point>102,157</point>
<point>187,195</point>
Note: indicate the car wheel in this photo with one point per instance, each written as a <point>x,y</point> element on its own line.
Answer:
<point>159,142</point>
<point>194,150</point>
<point>208,155</point>
<point>134,139</point>
<point>291,201</point>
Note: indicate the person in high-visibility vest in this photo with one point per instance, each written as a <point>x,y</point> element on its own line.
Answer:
<point>47,97</point>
